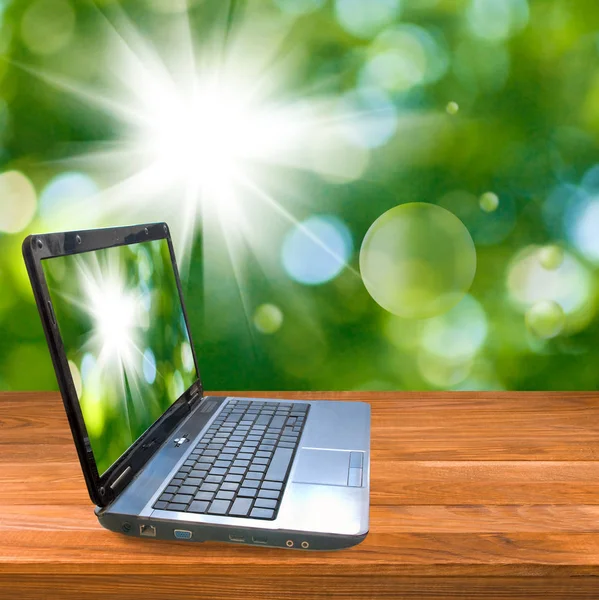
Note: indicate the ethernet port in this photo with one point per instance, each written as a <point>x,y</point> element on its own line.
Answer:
<point>147,530</point>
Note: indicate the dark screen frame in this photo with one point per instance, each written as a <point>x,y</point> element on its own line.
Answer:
<point>103,489</point>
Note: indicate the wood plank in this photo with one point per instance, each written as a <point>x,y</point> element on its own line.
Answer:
<point>484,482</point>
<point>415,426</point>
<point>63,552</point>
<point>404,519</point>
<point>246,584</point>
<point>392,482</point>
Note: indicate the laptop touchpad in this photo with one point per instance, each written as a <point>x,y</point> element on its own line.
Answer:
<point>322,466</point>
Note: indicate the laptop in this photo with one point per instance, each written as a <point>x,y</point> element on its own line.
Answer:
<point>161,459</point>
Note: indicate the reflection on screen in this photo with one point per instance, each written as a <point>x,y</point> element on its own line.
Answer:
<point>126,340</point>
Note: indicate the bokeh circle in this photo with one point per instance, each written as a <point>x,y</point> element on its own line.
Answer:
<point>418,260</point>
<point>546,319</point>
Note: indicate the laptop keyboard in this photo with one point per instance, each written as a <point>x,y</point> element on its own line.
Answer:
<point>240,466</point>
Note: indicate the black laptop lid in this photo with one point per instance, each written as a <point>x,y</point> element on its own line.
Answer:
<point>117,328</point>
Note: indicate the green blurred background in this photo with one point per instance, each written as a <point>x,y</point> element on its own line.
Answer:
<point>486,108</point>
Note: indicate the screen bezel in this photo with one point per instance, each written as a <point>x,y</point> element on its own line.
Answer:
<point>104,488</point>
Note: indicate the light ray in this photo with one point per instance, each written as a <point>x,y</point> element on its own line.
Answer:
<point>291,219</point>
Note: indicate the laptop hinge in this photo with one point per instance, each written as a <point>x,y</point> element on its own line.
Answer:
<point>196,394</point>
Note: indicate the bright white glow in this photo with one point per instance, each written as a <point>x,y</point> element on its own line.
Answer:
<point>203,135</point>
<point>203,129</point>
<point>113,310</point>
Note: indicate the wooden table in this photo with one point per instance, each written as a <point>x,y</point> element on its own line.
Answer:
<point>473,495</point>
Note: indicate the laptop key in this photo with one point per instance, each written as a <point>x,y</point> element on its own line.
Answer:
<point>260,468</point>
<point>194,481</point>
<point>267,447</point>
<point>224,464</point>
<point>199,473</point>
<point>262,513</point>
<point>160,505</point>
<point>233,478</point>
<point>271,494</point>
<point>277,422</point>
<point>219,507</point>
<point>229,486</point>
<point>183,498</point>
<point>265,503</point>
<point>241,507</point>
<point>223,495</point>
<point>247,492</point>
<point>209,487</point>
<point>177,507</point>
<point>198,506</point>
<point>166,497</point>
<point>217,471</point>
<point>279,464</point>
<point>249,483</point>
<point>286,445</point>
<point>206,459</point>
<point>213,479</point>
<point>271,485</point>
<point>204,496</point>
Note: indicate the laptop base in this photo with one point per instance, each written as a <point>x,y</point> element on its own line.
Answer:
<point>204,532</point>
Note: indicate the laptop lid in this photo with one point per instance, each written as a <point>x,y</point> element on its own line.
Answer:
<point>112,309</point>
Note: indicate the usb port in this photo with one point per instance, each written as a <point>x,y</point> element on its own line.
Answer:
<point>259,540</point>
<point>236,538</point>
<point>147,530</point>
<point>183,534</point>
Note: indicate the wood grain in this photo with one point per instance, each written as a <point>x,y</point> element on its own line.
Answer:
<point>473,495</point>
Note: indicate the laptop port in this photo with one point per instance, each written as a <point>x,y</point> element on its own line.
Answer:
<point>259,540</point>
<point>236,538</point>
<point>147,530</point>
<point>183,534</point>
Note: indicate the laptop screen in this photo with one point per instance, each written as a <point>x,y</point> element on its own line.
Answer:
<point>121,320</point>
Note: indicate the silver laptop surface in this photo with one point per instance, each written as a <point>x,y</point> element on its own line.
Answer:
<point>160,459</point>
